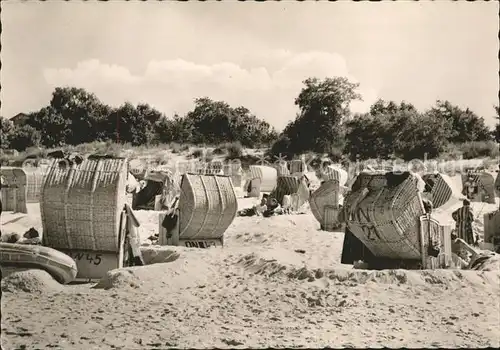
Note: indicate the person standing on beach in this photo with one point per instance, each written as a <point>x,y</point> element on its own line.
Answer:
<point>464,218</point>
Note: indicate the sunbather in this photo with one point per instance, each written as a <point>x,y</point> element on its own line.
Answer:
<point>466,256</point>
<point>273,207</point>
<point>256,209</point>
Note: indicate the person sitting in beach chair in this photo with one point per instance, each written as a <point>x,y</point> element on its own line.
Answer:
<point>470,188</point>
<point>464,218</point>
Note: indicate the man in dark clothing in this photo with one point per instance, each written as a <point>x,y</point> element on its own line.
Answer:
<point>464,218</point>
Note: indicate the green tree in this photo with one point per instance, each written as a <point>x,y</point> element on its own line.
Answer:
<point>392,129</point>
<point>251,131</point>
<point>54,128</point>
<point>6,132</point>
<point>211,121</point>
<point>128,123</point>
<point>370,136</point>
<point>418,135</point>
<point>465,124</point>
<point>383,107</point>
<point>23,137</point>
<point>215,122</point>
<point>175,129</point>
<point>84,112</point>
<point>324,106</point>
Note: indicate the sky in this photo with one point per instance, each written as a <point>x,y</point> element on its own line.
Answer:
<point>248,53</point>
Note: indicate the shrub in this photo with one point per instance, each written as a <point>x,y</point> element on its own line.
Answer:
<point>36,152</point>
<point>174,147</point>
<point>219,150</point>
<point>234,150</point>
<point>336,155</point>
<point>247,160</point>
<point>452,152</point>
<point>209,156</point>
<point>478,149</point>
<point>198,153</point>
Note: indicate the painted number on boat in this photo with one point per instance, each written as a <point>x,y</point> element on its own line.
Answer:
<point>371,232</point>
<point>91,258</point>
<point>199,244</point>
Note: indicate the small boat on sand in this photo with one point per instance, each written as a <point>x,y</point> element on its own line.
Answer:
<point>57,264</point>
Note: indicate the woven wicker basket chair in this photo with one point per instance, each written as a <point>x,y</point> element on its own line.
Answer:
<point>235,172</point>
<point>14,190</point>
<point>332,172</point>
<point>282,169</point>
<point>485,184</point>
<point>35,177</point>
<point>184,167</point>
<point>313,181</point>
<point>252,187</point>
<point>161,189</point>
<point>83,215</point>
<point>385,213</point>
<point>492,228</point>
<point>326,203</point>
<point>206,207</point>
<point>440,190</point>
<point>214,167</point>
<point>267,175</point>
<point>291,185</point>
<point>298,166</point>
<point>497,184</point>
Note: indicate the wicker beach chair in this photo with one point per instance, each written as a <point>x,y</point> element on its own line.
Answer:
<point>298,166</point>
<point>492,228</point>
<point>186,166</point>
<point>385,213</point>
<point>161,188</point>
<point>235,172</point>
<point>205,208</point>
<point>214,167</point>
<point>268,176</point>
<point>35,178</point>
<point>14,190</point>
<point>332,172</point>
<point>497,184</point>
<point>252,187</point>
<point>326,204</point>
<point>326,201</point>
<point>289,185</point>
<point>484,182</point>
<point>84,214</point>
<point>282,169</point>
<point>440,190</point>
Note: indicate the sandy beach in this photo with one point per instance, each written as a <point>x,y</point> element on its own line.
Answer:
<point>277,282</point>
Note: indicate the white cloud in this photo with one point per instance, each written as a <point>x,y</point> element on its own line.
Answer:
<point>172,85</point>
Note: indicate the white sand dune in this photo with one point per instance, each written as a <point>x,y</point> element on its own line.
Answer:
<point>277,282</point>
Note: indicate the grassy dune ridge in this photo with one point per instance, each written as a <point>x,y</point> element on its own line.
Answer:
<point>163,154</point>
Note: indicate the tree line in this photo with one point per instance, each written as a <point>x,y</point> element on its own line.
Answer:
<point>324,124</point>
